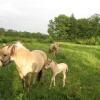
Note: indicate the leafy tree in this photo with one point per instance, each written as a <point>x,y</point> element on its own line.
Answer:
<point>59,27</point>
<point>73,30</point>
<point>64,27</point>
<point>2,30</point>
<point>95,24</point>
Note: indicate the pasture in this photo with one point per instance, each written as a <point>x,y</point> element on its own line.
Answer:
<point>83,79</point>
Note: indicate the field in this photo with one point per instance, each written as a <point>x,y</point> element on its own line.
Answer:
<point>83,78</point>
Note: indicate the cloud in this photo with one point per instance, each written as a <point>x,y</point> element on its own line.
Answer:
<point>7,9</point>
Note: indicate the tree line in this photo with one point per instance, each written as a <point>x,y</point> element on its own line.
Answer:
<point>69,28</point>
<point>10,35</point>
<point>63,28</point>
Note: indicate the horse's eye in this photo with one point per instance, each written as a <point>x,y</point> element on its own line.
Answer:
<point>5,55</point>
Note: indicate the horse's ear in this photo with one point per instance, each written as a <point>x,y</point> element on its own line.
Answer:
<point>12,50</point>
<point>48,61</point>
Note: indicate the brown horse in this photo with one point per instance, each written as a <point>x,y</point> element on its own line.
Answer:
<point>27,62</point>
<point>53,48</point>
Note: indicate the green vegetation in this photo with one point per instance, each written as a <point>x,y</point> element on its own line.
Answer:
<point>63,28</point>
<point>82,31</point>
<point>83,79</point>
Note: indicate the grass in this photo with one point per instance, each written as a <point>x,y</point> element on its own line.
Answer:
<point>83,79</point>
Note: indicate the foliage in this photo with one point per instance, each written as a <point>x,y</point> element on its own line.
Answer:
<point>64,27</point>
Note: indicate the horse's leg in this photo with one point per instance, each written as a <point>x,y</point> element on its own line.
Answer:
<point>21,76</point>
<point>29,80</point>
<point>35,77</point>
<point>23,83</point>
<point>39,75</point>
<point>64,78</point>
<point>52,80</point>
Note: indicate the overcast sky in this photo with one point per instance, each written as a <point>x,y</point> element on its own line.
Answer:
<point>34,15</point>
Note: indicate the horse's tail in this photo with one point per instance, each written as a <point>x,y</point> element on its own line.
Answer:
<point>39,75</point>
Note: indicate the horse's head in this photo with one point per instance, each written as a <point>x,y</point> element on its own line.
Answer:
<point>47,63</point>
<point>10,48</point>
<point>7,51</point>
<point>4,55</point>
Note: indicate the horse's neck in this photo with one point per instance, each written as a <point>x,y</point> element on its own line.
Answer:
<point>22,50</point>
<point>53,66</point>
<point>19,55</point>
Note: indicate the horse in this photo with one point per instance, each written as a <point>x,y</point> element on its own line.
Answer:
<point>56,69</point>
<point>27,62</point>
<point>44,55</point>
<point>53,48</point>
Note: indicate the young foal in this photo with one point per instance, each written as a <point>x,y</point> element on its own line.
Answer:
<point>57,68</point>
<point>27,62</point>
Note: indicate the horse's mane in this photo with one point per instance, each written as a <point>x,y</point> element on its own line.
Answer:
<point>54,62</point>
<point>19,44</point>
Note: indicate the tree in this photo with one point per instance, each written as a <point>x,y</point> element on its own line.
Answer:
<point>2,31</point>
<point>59,27</point>
<point>95,24</point>
<point>73,27</point>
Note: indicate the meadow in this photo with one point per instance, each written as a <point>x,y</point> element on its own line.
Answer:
<point>83,78</point>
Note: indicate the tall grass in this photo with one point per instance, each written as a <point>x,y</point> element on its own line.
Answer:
<point>83,78</point>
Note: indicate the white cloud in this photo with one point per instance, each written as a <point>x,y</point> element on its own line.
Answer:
<point>8,8</point>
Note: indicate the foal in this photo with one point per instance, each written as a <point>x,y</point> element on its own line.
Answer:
<point>57,68</point>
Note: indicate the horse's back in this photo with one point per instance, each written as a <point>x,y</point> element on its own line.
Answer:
<point>40,57</point>
<point>42,53</point>
<point>62,66</point>
<point>36,56</point>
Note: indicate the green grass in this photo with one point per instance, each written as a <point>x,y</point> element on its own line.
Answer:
<point>83,78</point>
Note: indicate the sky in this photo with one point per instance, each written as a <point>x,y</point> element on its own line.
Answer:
<point>34,15</point>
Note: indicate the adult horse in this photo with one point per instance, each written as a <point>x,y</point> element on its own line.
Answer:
<point>27,62</point>
<point>44,56</point>
<point>54,48</point>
